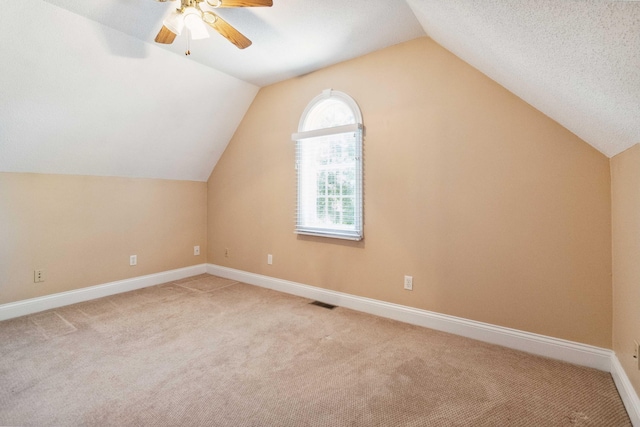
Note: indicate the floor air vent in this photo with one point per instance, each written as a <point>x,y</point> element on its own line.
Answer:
<point>323,304</point>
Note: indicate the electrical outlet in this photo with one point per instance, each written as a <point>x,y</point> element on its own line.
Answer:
<point>269,259</point>
<point>133,260</point>
<point>196,250</point>
<point>408,283</point>
<point>636,354</point>
<point>38,276</point>
<point>226,252</point>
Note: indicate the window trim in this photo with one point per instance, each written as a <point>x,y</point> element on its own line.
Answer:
<point>353,127</point>
<point>301,135</point>
<point>326,94</point>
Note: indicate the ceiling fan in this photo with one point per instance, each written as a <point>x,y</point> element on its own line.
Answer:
<point>191,16</point>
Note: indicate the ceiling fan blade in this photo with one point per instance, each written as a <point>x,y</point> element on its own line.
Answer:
<point>228,32</point>
<point>246,3</point>
<point>165,36</point>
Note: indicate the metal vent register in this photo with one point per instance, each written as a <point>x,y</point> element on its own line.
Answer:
<point>323,305</point>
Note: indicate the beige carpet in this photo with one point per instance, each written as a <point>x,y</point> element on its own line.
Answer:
<point>210,351</point>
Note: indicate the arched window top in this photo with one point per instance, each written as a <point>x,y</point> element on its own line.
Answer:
<point>329,168</point>
<point>330,109</point>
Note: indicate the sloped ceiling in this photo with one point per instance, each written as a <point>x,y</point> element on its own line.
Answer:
<point>80,98</point>
<point>577,61</point>
<point>85,90</point>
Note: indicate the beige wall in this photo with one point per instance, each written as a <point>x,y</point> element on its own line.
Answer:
<point>499,213</point>
<point>81,230</point>
<point>625,201</point>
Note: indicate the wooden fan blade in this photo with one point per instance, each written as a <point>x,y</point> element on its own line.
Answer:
<point>165,36</point>
<point>246,3</point>
<point>230,33</point>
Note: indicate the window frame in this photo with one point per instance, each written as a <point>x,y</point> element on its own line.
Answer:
<point>357,232</point>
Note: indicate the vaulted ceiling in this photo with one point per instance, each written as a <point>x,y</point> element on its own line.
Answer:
<point>85,90</point>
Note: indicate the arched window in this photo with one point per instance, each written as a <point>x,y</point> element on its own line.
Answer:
<point>329,167</point>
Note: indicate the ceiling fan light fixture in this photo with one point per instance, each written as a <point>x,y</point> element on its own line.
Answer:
<point>194,18</point>
<point>174,22</point>
<point>193,21</point>
<point>190,10</point>
<point>209,17</point>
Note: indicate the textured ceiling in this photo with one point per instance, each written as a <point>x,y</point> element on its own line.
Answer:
<point>577,61</point>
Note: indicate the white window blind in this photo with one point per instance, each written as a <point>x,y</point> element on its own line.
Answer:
<point>329,170</point>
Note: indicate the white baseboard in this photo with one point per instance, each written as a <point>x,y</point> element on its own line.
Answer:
<point>568,351</point>
<point>34,305</point>
<point>555,348</point>
<point>626,391</point>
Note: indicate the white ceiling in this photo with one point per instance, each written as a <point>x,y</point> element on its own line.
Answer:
<point>292,38</point>
<point>85,90</point>
<point>79,98</point>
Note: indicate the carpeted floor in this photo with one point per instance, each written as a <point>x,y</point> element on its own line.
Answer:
<point>210,351</point>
